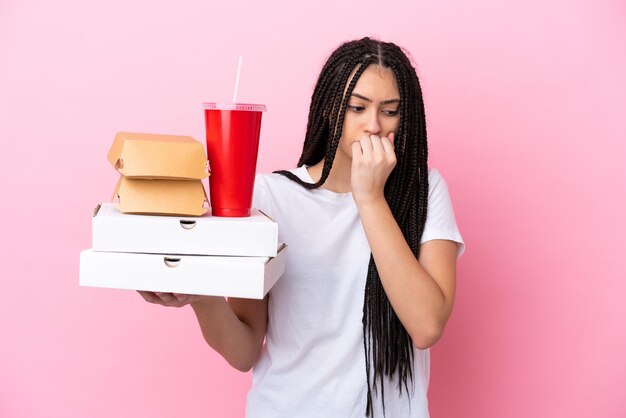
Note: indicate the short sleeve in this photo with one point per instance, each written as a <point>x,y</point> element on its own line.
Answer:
<point>440,220</point>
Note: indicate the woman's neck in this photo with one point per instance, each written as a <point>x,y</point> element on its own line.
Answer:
<point>338,180</point>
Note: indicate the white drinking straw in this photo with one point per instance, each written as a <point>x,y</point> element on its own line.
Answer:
<point>237,80</point>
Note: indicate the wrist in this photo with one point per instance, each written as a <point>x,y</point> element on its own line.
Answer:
<point>371,200</point>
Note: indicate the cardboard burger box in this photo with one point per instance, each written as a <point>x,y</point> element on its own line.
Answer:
<point>161,197</point>
<point>155,156</point>
<point>160,174</point>
<point>243,277</point>
<point>256,235</point>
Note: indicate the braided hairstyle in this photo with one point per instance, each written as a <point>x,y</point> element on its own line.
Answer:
<point>406,189</point>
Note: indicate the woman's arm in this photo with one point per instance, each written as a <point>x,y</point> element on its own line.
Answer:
<point>421,292</point>
<point>234,328</point>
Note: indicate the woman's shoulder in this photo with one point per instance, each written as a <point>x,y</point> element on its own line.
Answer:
<point>272,178</point>
<point>438,192</point>
<point>270,189</point>
<point>435,180</point>
<point>434,174</point>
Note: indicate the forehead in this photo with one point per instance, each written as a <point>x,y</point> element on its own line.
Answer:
<point>377,83</point>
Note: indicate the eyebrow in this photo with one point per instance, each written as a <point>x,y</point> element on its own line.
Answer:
<point>369,100</point>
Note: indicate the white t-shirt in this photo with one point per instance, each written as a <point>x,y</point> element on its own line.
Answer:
<point>313,361</point>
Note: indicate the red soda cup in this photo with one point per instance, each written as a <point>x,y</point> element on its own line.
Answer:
<point>232,144</point>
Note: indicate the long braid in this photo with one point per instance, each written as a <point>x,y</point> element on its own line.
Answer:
<point>385,340</point>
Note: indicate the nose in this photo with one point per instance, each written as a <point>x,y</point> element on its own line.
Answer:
<point>372,126</point>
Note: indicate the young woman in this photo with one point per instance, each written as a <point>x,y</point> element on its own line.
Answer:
<point>370,278</point>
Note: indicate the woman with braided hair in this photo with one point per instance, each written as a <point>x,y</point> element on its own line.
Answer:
<point>370,277</point>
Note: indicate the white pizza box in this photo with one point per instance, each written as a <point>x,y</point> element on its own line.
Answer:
<point>112,230</point>
<point>242,277</point>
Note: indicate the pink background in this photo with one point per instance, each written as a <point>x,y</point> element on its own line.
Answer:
<point>525,106</point>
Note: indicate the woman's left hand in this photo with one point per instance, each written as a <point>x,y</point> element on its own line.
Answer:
<point>373,159</point>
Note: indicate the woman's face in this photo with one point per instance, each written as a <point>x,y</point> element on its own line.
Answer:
<point>373,107</point>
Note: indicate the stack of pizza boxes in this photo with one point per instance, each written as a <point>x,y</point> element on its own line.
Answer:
<point>160,236</point>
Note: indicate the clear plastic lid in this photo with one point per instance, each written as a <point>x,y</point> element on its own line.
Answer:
<point>235,106</point>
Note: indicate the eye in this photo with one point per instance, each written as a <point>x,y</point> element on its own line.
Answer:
<point>390,112</point>
<point>356,108</point>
